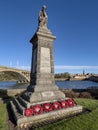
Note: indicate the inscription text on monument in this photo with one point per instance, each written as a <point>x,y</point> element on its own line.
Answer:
<point>47,94</point>
<point>45,60</point>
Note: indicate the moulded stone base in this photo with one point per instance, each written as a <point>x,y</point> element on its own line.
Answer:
<point>43,93</point>
<point>26,121</point>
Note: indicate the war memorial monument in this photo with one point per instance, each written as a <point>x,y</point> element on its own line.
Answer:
<point>42,101</point>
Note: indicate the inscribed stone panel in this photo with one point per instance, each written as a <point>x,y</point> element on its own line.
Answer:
<point>45,60</point>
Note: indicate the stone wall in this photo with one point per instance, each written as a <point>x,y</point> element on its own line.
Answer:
<point>13,92</point>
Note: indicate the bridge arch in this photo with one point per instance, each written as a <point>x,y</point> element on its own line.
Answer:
<point>22,73</point>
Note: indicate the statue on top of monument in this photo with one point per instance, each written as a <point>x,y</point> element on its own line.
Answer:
<point>43,18</point>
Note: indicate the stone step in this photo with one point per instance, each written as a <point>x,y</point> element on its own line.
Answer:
<point>23,102</point>
<point>19,106</point>
<point>17,115</point>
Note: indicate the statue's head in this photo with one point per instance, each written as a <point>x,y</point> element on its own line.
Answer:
<point>43,7</point>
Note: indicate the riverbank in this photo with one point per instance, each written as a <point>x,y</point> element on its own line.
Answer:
<point>70,79</point>
<point>91,93</point>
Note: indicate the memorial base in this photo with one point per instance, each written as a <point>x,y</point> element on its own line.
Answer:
<point>43,111</point>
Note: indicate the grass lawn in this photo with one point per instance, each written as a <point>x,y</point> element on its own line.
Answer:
<point>87,121</point>
<point>3,121</point>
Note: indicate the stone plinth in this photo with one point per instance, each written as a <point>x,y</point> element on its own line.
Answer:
<point>42,86</point>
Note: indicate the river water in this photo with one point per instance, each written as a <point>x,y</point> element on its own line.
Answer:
<point>60,84</point>
<point>76,84</point>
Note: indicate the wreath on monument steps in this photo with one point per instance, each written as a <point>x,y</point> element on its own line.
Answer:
<point>28,112</point>
<point>37,109</point>
<point>47,107</point>
<point>64,104</point>
<point>71,102</point>
<point>56,106</point>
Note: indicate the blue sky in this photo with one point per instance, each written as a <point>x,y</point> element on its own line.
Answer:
<point>73,22</point>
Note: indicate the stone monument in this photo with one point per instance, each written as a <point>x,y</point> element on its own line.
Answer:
<point>42,100</point>
<point>42,68</point>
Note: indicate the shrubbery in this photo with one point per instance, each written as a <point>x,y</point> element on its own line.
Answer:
<point>77,94</point>
<point>85,95</point>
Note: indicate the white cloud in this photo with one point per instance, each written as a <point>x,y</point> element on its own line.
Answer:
<point>75,67</point>
<point>61,67</point>
<point>23,67</point>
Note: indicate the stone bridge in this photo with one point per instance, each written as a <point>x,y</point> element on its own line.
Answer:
<point>24,73</point>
